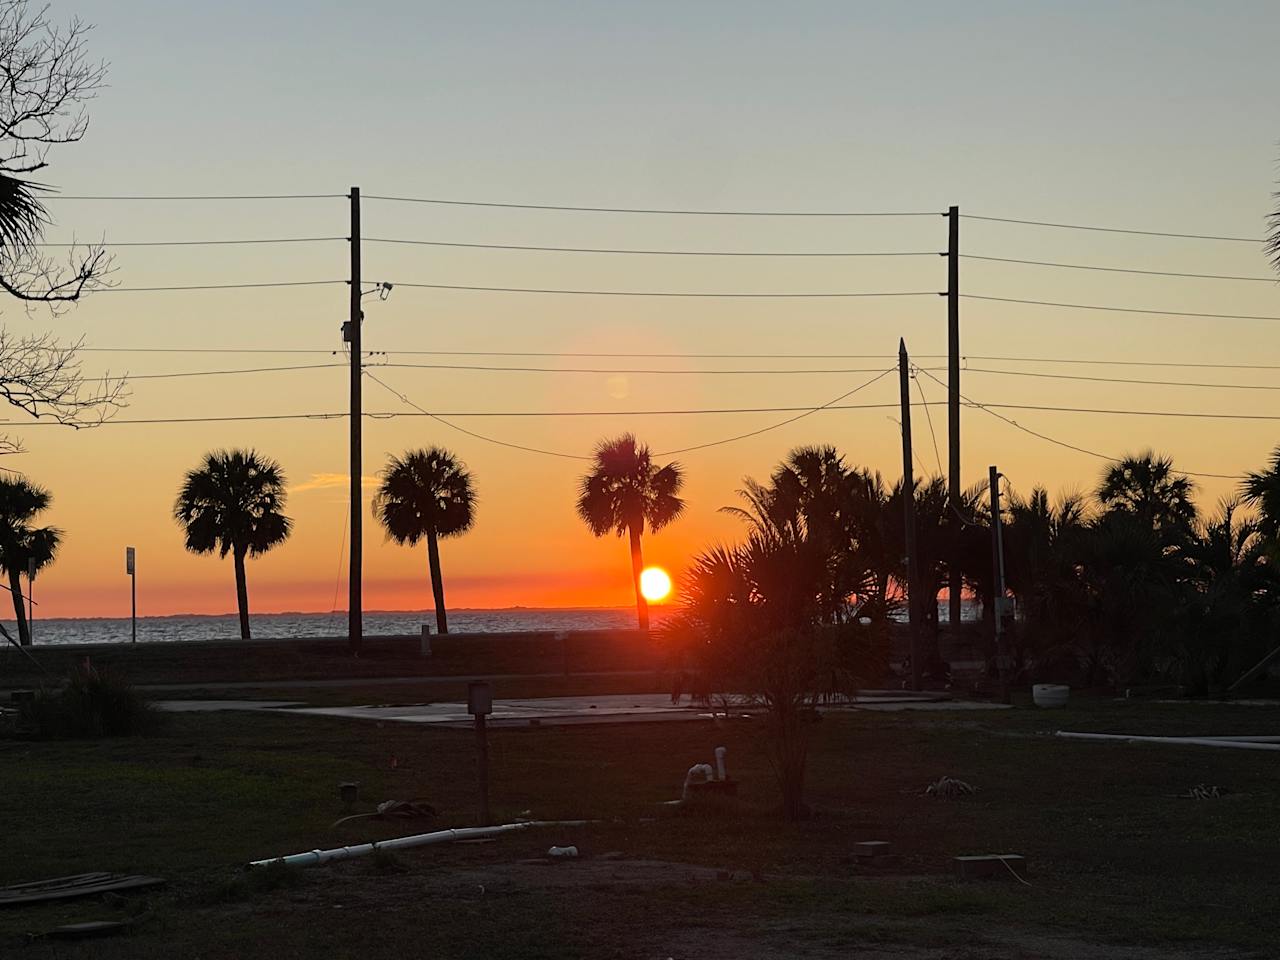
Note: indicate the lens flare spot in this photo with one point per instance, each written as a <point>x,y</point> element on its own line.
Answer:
<point>655,584</point>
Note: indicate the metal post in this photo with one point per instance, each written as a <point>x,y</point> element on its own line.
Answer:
<point>355,625</point>
<point>131,568</point>
<point>997,572</point>
<point>955,583</point>
<point>909,515</point>
<point>31,600</point>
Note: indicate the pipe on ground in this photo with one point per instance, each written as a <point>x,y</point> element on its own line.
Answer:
<point>314,857</point>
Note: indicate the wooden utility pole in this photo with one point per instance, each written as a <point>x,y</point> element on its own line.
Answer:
<point>954,584</point>
<point>355,602</point>
<point>997,575</point>
<point>909,515</point>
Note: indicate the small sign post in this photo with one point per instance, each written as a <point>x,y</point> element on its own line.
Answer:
<point>31,599</point>
<point>130,568</point>
<point>479,704</point>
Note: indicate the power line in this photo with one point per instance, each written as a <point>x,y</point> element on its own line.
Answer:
<point>1128,363</point>
<point>218,373</point>
<point>260,196</point>
<point>666,293</point>
<point>1141,233</point>
<point>985,408</point>
<point>1149,273</point>
<point>664,412</point>
<point>1086,361</point>
<point>656,253</point>
<point>610,370</point>
<point>190,243</point>
<point>221,286</point>
<point>929,418</point>
<point>1129,380</point>
<point>1111,309</point>
<point>775,426</point>
<point>663,212</point>
<point>471,433</point>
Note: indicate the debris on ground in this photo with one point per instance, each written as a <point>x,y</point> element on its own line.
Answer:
<point>949,788</point>
<point>80,885</point>
<point>1202,791</point>
<point>394,810</point>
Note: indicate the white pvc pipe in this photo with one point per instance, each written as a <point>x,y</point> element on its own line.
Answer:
<point>1175,741</point>
<point>313,857</point>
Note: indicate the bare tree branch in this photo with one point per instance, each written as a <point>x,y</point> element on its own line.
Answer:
<point>46,81</point>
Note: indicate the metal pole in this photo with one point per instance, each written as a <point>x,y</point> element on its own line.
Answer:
<point>482,754</point>
<point>31,600</point>
<point>133,604</point>
<point>997,571</point>
<point>355,603</point>
<point>909,515</point>
<point>955,584</point>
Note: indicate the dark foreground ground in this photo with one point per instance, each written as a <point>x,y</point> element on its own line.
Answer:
<point>1119,866</point>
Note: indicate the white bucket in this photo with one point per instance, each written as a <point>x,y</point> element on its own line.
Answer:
<point>1050,694</point>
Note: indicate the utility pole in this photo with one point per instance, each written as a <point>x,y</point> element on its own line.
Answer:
<point>997,571</point>
<point>909,515</point>
<point>954,584</point>
<point>355,603</point>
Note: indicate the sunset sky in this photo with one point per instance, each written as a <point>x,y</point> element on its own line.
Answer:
<point>1154,116</point>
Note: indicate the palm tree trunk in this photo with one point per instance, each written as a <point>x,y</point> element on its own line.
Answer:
<point>19,609</point>
<point>637,566</point>
<point>437,582</point>
<point>242,593</point>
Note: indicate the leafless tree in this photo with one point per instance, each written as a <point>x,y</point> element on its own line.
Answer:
<point>46,82</point>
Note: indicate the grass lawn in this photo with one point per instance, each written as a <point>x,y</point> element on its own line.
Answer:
<point>1118,865</point>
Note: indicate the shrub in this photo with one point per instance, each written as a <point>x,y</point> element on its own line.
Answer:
<point>94,703</point>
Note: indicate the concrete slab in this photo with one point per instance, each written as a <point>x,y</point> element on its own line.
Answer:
<point>622,708</point>
<point>205,706</point>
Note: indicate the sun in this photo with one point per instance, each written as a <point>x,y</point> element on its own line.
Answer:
<point>655,584</point>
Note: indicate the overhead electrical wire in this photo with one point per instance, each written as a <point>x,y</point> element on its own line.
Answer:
<point>179,375</point>
<point>1140,233</point>
<point>628,370</point>
<point>1126,380</point>
<point>791,295</point>
<point>775,426</point>
<point>222,286</point>
<point>656,253</point>
<point>1114,309</point>
<point>471,433</point>
<point>151,197</point>
<point>1104,269</point>
<point>185,243</point>
<point>986,408</point>
<point>655,211</point>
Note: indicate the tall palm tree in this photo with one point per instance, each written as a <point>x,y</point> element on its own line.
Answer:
<point>24,547</point>
<point>426,493</point>
<point>1262,490</point>
<point>1148,488</point>
<point>233,503</point>
<point>624,492</point>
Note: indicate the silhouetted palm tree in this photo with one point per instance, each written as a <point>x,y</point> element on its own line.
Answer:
<point>233,503</point>
<point>1262,491</point>
<point>22,215</point>
<point>426,493</point>
<point>623,493</point>
<point>21,543</point>
<point>1148,488</point>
